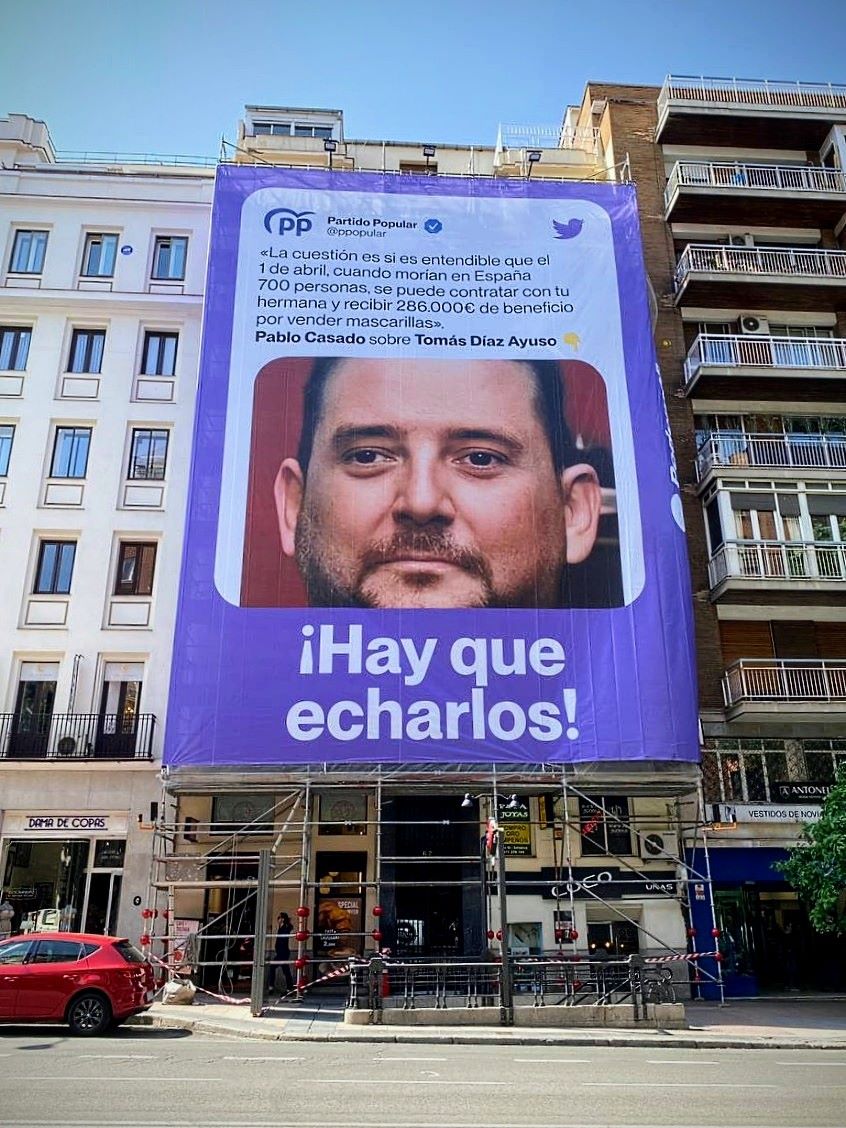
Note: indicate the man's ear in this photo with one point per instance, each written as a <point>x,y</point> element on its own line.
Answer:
<point>288,493</point>
<point>582,502</point>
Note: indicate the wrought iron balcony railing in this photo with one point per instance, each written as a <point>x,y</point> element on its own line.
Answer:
<point>785,680</point>
<point>76,736</point>
<point>761,263</point>
<point>751,93</point>
<point>725,350</point>
<point>775,452</point>
<point>733,175</point>
<point>777,560</point>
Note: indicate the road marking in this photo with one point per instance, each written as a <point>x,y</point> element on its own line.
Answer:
<point>236,1057</point>
<point>680,1061</point>
<point>553,1061</point>
<point>675,1085</point>
<point>145,1080</point>
<point>118,1057</point>
<point>409,1059</point>
<point>809,1063</point>
<point>385,1081</point>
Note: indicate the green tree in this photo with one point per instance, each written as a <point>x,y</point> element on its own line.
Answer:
<point>816,867</point>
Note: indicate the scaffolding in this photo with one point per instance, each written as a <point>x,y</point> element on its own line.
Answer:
<point>215,882</point>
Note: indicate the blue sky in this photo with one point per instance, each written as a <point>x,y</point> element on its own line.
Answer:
<point>172,76</point>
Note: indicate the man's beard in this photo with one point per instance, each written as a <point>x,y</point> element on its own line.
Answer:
<point>325,589</point>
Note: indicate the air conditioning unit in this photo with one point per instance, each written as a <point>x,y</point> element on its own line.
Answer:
<point>656,844</point>
<point>753,325</point>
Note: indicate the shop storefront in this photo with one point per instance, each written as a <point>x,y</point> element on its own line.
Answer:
<point>766,939</point>
<point>63,871</point>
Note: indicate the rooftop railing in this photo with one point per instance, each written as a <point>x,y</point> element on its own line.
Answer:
<point>747,350</point>
<point>76,736</point>
<point>93,156</point>
<point>760,262</point>
<point>786,451</point>
<point>759,178</point>
<point>786,680</point>
<point>799,561</point>
<point>752,93</point>
<point>516,136</point>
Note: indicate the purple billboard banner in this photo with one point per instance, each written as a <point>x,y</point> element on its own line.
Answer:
<point>434,514</point>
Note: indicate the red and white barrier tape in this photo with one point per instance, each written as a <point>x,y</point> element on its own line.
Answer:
<point>687,957</point>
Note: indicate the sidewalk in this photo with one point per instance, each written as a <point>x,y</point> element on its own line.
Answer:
<point>784,1022</point>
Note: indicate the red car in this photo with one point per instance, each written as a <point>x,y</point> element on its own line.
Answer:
<point>90,982</point>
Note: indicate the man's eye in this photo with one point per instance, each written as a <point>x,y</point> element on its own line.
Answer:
<point>367,456</point>
<point>483,459</point>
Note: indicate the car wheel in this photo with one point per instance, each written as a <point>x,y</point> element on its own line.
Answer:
<point>89,1014</point>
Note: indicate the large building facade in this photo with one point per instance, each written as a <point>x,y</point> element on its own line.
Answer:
<point>742,198</point>
<point>103,265</point>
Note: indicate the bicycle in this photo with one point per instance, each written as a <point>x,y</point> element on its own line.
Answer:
<point>659,988</point>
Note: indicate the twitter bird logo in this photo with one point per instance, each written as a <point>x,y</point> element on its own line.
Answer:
<point>568,230</point>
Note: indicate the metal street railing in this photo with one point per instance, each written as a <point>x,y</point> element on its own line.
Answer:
<point>786,451</point>
<point>770,262</point>
<point>751,92</point>
<point>777,560</point>
<point>725,350</point>
<point>785,679</point>
<point>76,736</point>
<point>766,178</point>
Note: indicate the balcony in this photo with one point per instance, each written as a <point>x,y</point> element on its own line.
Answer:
<point>564,150</point>
<point>771,195</point>
<point>70,737</point>
<point>719,276</point>
<point>755,113</point>
<point>803,689</point>
<point>733,356</point>
<point>805,452</point>
<point>777,566</point>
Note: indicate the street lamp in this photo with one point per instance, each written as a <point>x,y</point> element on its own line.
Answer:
<point>533,156</point>
<point>329,146</point>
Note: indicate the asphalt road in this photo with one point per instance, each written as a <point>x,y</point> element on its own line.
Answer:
<point>159,1078</point>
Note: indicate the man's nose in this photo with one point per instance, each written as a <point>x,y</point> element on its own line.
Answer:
<point>423,496</point>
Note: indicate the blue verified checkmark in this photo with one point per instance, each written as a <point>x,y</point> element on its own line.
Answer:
<point>433,226</point>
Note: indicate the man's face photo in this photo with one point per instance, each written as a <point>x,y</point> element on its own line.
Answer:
<point>436,484</point>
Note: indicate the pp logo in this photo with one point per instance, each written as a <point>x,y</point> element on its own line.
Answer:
<point>281,220</point>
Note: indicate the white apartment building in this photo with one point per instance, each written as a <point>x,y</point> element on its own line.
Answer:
<point>102,268</point>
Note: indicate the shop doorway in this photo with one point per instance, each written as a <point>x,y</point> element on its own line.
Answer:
<point>105,878</point>
<point>769,945</point>
<point>433,886</point>
<point>230,919</point>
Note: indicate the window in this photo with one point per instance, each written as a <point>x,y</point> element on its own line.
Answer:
<point>14,348</point>
<point>148,454</point>
<point>136,564</point>
<point>605,831</point>
<point>15,952</point>
<point>98,258</point>
<point>28,252</point>
<point>7,437</point>
<point>617,938</point>
<point>55,567</point>
<point>286,128</point>
<point>58,951</point>
<point>70,452</point>
<point>169,257</point>
<point>86,351</point>
<point>159,356</point>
